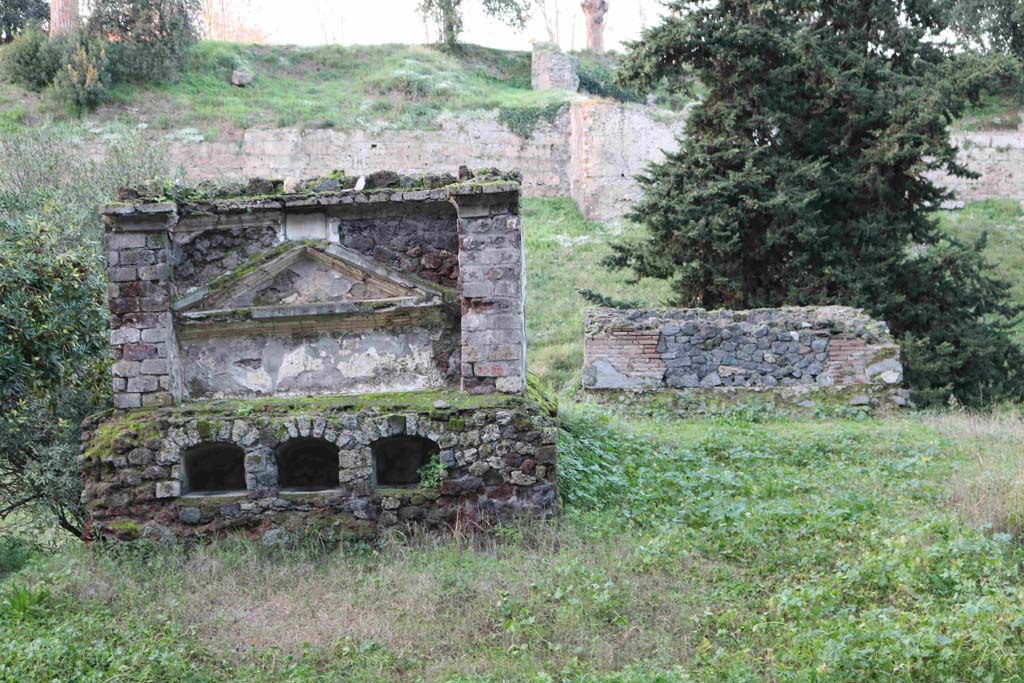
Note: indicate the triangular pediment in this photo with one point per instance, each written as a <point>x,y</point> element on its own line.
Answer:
<point>308,277</point>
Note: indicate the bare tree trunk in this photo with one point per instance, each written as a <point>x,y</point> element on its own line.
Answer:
<point>451,22</point>
<point>595,10</point>
<point>63,17</point>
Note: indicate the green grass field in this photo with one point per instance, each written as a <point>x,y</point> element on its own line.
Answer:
<point>749,546</point>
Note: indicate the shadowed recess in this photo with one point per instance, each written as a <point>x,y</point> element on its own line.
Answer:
<point>307,463</point>
<point>214,467</point>
<point>398,459</point>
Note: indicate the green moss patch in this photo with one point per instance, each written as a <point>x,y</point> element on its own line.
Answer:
<point>135,427</point>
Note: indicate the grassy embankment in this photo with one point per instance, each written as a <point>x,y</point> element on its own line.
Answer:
<point>366,87</point>
<point>748,546</point>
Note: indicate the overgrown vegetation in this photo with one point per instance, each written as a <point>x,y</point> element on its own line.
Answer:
<point>387,86</point>
<point>717,550</point>
<point>144,41</point>
<point>53,314</point>
<point>523,120</point>
<point>749,546</point>
<point>796,182</point>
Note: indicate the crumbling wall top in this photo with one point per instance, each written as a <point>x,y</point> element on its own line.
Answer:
<point>151,202</point>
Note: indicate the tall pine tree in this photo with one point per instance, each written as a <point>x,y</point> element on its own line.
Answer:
<point>802,177</point>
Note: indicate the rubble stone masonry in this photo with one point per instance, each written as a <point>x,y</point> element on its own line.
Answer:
<point>829,347</point>
<point>328,357</point>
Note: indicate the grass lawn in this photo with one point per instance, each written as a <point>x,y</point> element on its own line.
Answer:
<point>725,550</point>
<point>752,546</point>
<point>1003,223</point>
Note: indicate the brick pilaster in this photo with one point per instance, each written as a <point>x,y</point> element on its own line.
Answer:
<point>492,279</point>
<point>139,301</point>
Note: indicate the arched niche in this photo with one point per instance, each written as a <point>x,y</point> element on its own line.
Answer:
<point>397,460</point>
<point>307,464</point>
<point>214,467</point>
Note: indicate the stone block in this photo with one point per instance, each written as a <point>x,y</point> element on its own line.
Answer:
<point>124,335</point>
<point>125,240</point>
<point>142,384</point>
<point>136,257</point>
<point>125,401</point>
<point>306,226</point>
<point>168,489</point>
<point>154,335</point>
<point>156,272</point>
<point>122,274</point>
<point>510,385</point>
<point>157,399</point>
<point>125,368</point>
<point>497,368</point>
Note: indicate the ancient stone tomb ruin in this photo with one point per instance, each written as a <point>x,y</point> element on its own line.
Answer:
<point>328,357</point>
<point>785,354</point>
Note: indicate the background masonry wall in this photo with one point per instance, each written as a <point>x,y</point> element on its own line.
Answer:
<point>590,151</point>
<point>830,346</point>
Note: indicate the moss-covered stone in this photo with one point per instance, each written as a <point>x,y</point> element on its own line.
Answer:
<point>125,529</point>
<point>206,429</point>
<point>135,427</point>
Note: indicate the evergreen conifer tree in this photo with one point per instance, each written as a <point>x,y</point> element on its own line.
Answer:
<point>803,177</point>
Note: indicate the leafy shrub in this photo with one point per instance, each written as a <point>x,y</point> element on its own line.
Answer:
<point>52,359</point>
<point>53,349</point>
<point>82,82</point>
<point>31,59</point>
<point>433,473</point>
<point>14,553</point>
<point>148,40</point>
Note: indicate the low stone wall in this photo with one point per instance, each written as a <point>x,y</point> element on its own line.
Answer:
<point>497,453</point>
<point>827,347</point>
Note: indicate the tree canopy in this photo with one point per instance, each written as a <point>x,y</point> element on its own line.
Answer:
<point>993,25</point>
<point>16,14</point>
<point>447,15</point>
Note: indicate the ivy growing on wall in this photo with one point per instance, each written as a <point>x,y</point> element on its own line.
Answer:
<point>523,120</point>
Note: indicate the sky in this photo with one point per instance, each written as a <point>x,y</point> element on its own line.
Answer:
<point>348,22</point>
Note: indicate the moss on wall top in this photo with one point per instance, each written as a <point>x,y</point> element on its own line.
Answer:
<point>192,198</point>
<point>440,403</point>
